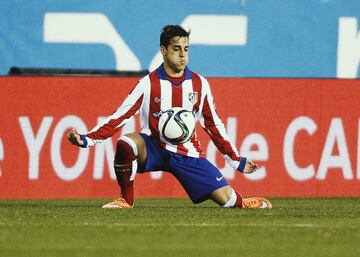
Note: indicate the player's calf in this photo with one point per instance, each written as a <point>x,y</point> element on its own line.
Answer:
<point>234,201</point>
<point>125,165</point>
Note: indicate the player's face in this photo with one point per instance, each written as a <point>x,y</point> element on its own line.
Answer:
<point>176,55</point>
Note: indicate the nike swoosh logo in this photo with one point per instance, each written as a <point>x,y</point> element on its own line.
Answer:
<point>218,179</point>
<point>263,205</point>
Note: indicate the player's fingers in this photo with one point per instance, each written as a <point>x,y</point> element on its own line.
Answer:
<point>70,134</point>
<point>74,138</point>
<point>253,165</point>
<point>248,168</point>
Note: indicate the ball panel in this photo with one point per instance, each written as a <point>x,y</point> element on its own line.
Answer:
<point>172,130</point>
<point>177,125</point>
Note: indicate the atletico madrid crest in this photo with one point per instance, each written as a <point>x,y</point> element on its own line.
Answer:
<point>193,97</point>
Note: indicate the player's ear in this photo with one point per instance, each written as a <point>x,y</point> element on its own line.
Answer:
<point>163,50</point>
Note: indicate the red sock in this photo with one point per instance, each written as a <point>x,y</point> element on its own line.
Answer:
<point>239,200</point>
<point>123,165</point>
<point>126,186</point>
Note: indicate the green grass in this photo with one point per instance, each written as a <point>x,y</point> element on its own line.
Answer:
<point>175,227</point>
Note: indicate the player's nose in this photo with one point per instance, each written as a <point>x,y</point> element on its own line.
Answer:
<point>182,53</point>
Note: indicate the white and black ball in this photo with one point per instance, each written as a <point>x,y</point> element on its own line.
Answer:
<point>177,125</point>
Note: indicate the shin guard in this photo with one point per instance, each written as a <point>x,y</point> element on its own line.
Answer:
<point>125,165</point>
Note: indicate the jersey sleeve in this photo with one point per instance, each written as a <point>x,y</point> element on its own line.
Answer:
<point>113,123</point>
<point>215,128</point>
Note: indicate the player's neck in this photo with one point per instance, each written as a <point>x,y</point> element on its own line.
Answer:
<point>172,73</point>
<point>176,80</point>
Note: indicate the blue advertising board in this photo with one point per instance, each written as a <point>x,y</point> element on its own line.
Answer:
<point>229,38</point>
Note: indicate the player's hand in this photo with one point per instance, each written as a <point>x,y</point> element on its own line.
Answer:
<point>250,167</point>
<point>75,138</point>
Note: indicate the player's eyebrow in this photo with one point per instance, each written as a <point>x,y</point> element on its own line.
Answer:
<point>179,46</point>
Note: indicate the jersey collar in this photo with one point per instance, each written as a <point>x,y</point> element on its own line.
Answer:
<point>162,74</point>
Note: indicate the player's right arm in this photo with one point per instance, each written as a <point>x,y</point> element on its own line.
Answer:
<point>111,124</point>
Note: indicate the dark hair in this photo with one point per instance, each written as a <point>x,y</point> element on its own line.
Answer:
<point>170,31</point>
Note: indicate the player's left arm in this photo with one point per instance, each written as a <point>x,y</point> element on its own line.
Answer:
<point>215,128</point>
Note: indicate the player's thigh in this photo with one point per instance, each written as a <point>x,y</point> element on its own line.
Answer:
<point>156,157</point>
<point>197,175</point>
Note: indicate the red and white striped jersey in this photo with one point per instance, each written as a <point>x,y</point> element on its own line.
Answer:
<point>155,93</point>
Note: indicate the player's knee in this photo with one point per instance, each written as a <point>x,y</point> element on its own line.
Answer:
<point>222,195</point>
<point>136,142</point>
<point>126,151</point>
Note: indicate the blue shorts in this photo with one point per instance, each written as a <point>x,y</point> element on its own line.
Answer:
<point>198,176</point>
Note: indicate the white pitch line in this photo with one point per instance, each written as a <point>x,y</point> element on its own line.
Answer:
<point>197,225</point>
<point>207,225</point>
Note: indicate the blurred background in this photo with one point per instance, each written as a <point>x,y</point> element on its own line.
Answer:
<point>231,38</point>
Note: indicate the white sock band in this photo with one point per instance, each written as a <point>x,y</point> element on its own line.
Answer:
<point>131,143</point>
<point>232,200</point>
<point>133,146</point>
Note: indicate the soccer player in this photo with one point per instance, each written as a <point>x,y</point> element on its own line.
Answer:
<point>172,84</point>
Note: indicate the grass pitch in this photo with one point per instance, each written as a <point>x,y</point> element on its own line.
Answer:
<point>176,227</point>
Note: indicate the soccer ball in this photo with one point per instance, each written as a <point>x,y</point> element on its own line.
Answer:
<point>177,125</point>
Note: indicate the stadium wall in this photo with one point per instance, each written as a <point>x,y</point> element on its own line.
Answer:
<point>304,134</point>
